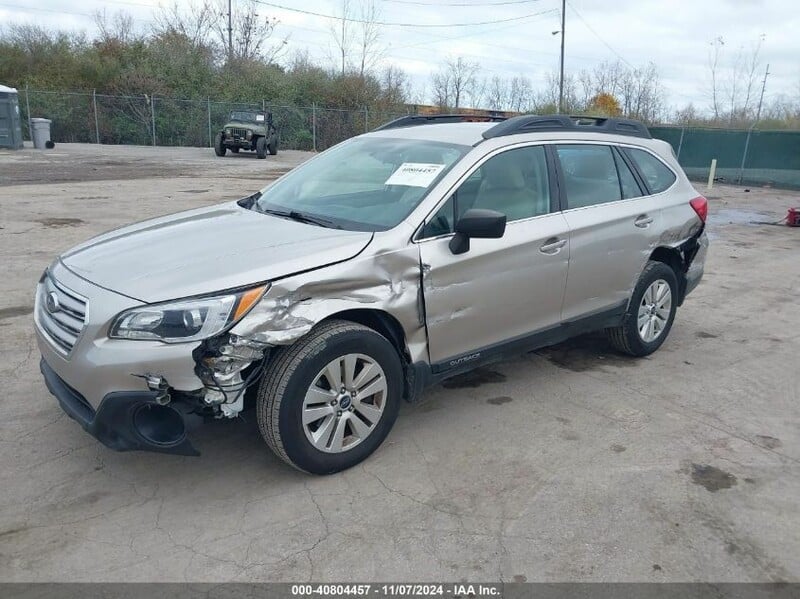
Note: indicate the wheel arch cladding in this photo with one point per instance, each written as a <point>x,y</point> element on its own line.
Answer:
<point>380,321</point>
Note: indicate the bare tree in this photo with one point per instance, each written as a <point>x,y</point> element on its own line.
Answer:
<point>520,94</point>
<point>746,71</point>
<point>342,33</point>
<point>370,49</point>
<point>605,78</point>
<point>734,84</point>
<point>117,28</point>
<point>497,93</point>
<point>454,82</point>
<point>441,88</point>
<point>476,92</point>
<point>642,96</point>
<point>253,34</point>
<point>713,65</point>
<point>546,102</point>
<point>396,85</point>
<point>193,20</point>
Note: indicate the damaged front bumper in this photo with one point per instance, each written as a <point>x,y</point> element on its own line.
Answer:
<point>125,420</point>
<point>135,395</point>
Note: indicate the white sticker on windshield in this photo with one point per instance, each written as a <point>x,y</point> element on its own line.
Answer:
<point>259,117</point>
<point>415,174</point>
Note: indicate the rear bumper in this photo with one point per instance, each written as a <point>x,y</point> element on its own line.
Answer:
<point>696,268</point>
<point>125,420</point>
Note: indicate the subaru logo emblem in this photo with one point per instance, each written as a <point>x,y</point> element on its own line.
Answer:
<point>52,303</point>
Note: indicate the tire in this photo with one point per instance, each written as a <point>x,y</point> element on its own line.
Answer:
<point>235,149</point>
<point>642,338</point>
<point>261,147</point>
<point>297,371</point>
<point>219,147</point>
<point>272,147</point>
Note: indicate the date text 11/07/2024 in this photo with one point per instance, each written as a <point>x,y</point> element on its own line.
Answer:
<point>455,590</point>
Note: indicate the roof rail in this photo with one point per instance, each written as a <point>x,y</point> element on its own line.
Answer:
<point>534,123</point>
<point>413,120</point>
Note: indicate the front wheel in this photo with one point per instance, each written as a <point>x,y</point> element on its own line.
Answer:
<point>650,314</point>
<point>261,147</point>
<point>219,147</point>
<point>328,401</point>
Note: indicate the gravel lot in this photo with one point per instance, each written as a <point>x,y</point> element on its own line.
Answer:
<point>568,464</point>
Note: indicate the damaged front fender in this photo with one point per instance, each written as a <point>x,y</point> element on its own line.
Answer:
<point>385,280</point>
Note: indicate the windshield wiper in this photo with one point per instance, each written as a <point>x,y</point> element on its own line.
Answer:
<point>302,217</point>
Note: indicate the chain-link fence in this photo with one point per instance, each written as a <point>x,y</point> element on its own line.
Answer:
<point>747,156</point>
<point>744,156</point>
<point>152,120</point>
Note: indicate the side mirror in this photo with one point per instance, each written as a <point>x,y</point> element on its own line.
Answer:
<point>478,223</point>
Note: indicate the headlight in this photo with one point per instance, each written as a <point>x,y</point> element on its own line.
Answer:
<point>185,320</point>
<point>249,134</point>
<point>227,132</point>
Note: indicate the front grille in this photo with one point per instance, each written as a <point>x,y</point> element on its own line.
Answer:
<point>237,132</point>
<point>62,317</point>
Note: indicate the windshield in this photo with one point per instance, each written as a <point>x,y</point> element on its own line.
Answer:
<point>366,184</point>
<point>249,117</point>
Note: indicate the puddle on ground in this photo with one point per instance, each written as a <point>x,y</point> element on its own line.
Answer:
<point>498,401</point>
<point>474,378</point>
<point>737,216</point>
<point>55,222</point>
<point>585,353</point>
<point>713,479</point>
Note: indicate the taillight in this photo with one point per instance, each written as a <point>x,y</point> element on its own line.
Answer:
<point>700,205</point>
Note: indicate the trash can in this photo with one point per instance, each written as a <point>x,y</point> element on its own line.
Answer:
<point>41,132</point>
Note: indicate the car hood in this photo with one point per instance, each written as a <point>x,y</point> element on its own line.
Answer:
<point>207,250</point>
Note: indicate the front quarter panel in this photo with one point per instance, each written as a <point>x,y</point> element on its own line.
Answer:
<point>382,278</point>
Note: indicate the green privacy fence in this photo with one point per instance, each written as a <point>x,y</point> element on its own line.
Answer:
<point>746,156</point>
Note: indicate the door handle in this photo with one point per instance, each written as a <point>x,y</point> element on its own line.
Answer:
<point>643,221</point>
<point>553,245</point>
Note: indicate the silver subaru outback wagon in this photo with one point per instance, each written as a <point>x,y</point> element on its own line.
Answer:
<point>386,264</point>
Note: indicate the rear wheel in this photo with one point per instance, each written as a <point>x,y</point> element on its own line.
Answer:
<point>650,314</point>
<point>219,147</point>
<point>328,401</point>
<point>261,147</point>
<point>273,145</point>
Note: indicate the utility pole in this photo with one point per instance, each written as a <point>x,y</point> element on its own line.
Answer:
<point>230,32</point>
<point>561,76</point>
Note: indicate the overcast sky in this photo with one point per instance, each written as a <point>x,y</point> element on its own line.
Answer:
<point>674,34</point>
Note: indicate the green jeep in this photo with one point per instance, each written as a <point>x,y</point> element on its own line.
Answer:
<point>248,130</point>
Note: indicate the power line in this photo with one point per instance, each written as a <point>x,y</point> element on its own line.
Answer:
<point>62,12</point>
<point>82,14</point>
<point>462,4</point>
<point>597,35</point>
<point>442,39</point>
<point>389,23</point>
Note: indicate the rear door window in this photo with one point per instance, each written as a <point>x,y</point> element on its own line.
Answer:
<point>590,174</point>
<point>655,173</point>
<point>627,181</point>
